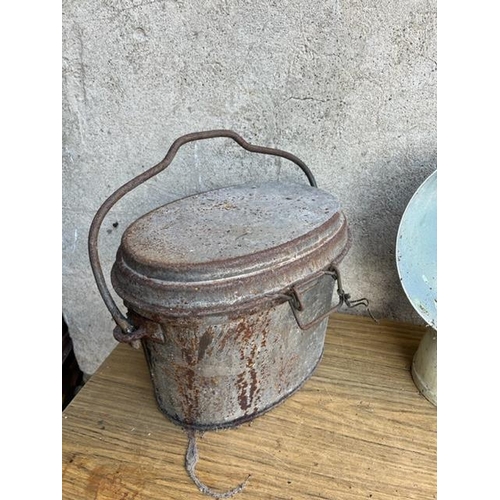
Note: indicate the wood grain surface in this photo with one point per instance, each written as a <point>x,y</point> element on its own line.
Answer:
<point>358,429</point>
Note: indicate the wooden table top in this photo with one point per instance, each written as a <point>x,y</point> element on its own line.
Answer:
<point>357,429</point>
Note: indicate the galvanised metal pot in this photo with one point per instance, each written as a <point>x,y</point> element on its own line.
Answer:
<point>229,291</point>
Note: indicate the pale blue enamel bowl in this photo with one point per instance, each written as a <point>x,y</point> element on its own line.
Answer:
<point>416,250</point>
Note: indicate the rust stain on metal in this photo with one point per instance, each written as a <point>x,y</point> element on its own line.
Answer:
<point>253,385</point>
<point>189,392</point>
<point>242,394</point>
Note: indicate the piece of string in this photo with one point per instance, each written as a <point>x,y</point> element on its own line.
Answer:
<point>191,461</point>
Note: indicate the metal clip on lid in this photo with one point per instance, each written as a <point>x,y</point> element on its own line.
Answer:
<point>297,304</point>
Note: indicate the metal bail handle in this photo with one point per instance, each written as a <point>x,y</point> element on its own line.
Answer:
<point>130,332</point>
<point>297,305</point>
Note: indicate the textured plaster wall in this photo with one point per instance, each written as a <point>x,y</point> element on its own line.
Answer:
<point>349,87</point>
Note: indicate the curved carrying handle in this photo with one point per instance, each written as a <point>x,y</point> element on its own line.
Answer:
<point>123,323</point>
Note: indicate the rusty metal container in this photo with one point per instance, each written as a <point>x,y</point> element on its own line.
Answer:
<point>229,291</point>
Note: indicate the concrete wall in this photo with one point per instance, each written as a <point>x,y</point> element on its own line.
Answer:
<point>349,87</point>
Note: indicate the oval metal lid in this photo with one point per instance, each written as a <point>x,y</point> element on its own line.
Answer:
<point>229,231</point>
<point>222,249</point>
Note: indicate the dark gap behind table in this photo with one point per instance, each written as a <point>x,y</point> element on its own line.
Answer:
<point>72,376</point>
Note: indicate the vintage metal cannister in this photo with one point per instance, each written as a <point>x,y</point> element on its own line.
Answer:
<point>229,291</point>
